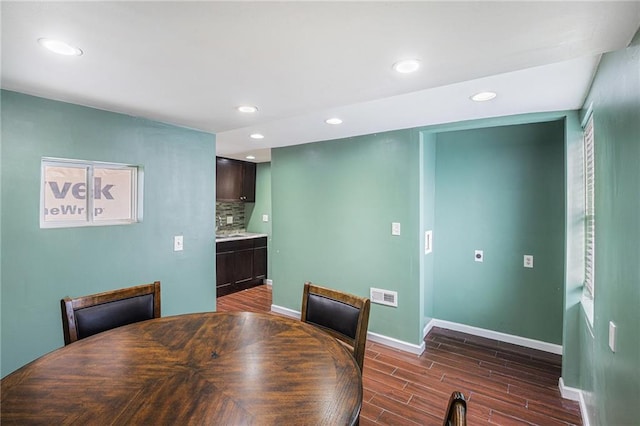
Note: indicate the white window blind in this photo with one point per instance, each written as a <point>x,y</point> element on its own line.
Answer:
<point>589,168</point>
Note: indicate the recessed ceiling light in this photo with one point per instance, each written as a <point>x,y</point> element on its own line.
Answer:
<point>256,136</point>
<point>333,120</point>
<point>59,47</point>
<point>406,66</point>
<point>483,96</point>
<point>247,108</point>
<point>250,157</point>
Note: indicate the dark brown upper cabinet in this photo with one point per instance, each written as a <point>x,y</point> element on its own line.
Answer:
<point>235,180</point>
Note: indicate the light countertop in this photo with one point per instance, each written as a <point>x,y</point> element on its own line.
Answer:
<point>233,236</point>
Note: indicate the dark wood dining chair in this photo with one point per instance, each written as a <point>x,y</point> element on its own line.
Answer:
<point>88,315</point>
<point>342,315</point>
<point>456,410</point>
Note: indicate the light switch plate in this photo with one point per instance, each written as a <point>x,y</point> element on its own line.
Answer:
<point>528,261</point>
<point>612,336</point>
<point>178,243</point>
<point>395,228</point>
<point>229,220</point>
<point>478,256</point>
<point>428,242</point>
<point>265,218</point>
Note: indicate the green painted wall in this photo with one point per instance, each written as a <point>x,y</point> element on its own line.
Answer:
<point>333,205</point>
<point>1,156</point>
<point>254,211</point>
<point>610,380</point>
<point>501,190</point>
<point>428,215</point>
<point>574,249</point>
<point>41,266</point>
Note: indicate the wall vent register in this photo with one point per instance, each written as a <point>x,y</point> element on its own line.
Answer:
<point>384,297</point>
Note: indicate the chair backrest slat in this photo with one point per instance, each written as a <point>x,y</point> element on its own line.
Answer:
<point>343,315</point>
<point>456,410</point>
<point>88,315</point>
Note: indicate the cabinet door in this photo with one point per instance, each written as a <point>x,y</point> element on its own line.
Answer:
<point>243,261</point>
<point>260,263</point>
<point>224,273</point>
<point>228,179</point>
<point>249,182</point>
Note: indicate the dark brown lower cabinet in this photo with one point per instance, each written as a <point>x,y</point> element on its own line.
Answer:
<point>260,262</point>
<point>240,264</point>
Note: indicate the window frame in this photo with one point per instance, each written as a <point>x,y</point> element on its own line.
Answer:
<point>588,294</point>
<point>89,217</point>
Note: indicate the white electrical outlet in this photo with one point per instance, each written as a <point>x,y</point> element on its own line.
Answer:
<point>395,228</point>
<point>229,220</point>
<point>478,256</point>
<point>612,336</point>
<point>528,261</point>
<point>177,243</point>
<point>265,218</point>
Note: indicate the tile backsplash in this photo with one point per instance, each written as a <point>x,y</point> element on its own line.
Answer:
<point>235,210</point>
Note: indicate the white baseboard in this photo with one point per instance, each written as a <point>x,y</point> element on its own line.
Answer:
<point>496,335</point>
<point>395,343</point>
<point>583,411</point>
<point>268,282</point>
<point>568,392</point>
<point>285,311</point>
<point>418,349</point>
<point>427,328</point>
<point>575,394</point>
<point>374,337</point>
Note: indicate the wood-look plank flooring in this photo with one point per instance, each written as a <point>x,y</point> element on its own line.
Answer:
<point>504,384</point>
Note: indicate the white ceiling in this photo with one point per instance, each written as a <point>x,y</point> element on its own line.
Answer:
<point>193,63</point>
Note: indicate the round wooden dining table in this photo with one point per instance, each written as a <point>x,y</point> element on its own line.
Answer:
<point>210,368</point>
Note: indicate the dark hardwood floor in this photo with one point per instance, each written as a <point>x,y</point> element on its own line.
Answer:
<point>504,384</point>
